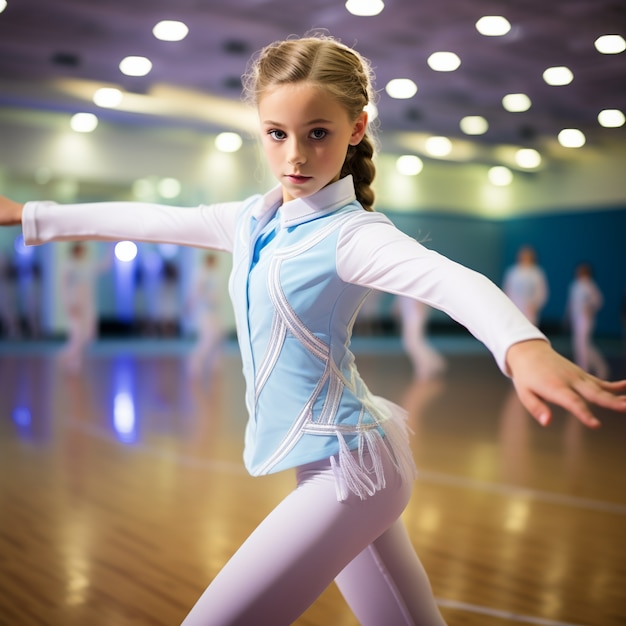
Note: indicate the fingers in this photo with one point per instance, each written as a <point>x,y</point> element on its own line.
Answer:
<point>577,406</point>
<point>603,393</point>
<point>536,407</point>
<point>571,400</point>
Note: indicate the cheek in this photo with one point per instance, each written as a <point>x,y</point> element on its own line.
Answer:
<point>270,150</point>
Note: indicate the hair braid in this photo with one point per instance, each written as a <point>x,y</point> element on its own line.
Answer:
<point>359,163</point>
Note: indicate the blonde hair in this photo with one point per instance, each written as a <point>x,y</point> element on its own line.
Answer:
<point>342,71</point>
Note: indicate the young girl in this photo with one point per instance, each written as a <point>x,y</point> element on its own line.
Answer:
<point>305,255</point>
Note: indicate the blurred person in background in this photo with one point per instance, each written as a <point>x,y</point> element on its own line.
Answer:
<point>426,361</point>
<point>79,274</point>
<point>584,301</point>
<point>204,300</point>
<point>525,283</point>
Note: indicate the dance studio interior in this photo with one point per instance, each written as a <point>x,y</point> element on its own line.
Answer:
<point>499,127</point>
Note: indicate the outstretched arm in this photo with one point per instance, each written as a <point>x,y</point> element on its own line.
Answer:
<point>10,212</point>
<point>542,376</point>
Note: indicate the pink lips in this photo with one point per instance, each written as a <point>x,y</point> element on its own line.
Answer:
<point>298,180</point>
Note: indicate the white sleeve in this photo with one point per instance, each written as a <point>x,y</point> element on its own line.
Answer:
<point>205,226</point>
<point>380,256</point>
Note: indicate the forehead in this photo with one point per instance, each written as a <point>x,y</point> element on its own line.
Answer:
<point>300,102</point>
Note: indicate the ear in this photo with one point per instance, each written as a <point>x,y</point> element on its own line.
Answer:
<point>359,128</point>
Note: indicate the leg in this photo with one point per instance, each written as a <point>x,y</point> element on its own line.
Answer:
<point>386,583</point>
<point>597,363</point>
<point>297,551</point>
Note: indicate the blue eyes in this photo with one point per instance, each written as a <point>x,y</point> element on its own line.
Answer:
<point>277,135</point>
<point>281,135</point>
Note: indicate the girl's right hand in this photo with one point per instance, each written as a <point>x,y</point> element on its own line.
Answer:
<point>10,212</point>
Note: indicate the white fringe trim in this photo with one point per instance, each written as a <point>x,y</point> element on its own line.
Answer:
<point>350,472</point>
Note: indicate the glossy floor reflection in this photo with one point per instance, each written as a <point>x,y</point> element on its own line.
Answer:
<point>122,492</point>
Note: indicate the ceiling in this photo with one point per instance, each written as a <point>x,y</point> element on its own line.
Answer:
<point>54,54</point>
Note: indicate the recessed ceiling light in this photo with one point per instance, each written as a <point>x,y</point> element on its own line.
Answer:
<point>444,61</point>
<point>3,5</point>
<point>372,111</point>
<point>84,122</point>
<point>228,142</point>
<point>500,176</point>
<point>474,125</point>
<point>493,25</point>
<point>571,138</point>
<point>438,146</point>
<point>557,76</point>
<point>409,165</point>
<point>401,88</point>
<point>528,158</point>
<point>611,118</point>
<point>169,187</point>
<point>365,8</point>
<point>170,30</point>
<point>516,102</point>
<point>135,66</point>
<point>610,44</point>
<point>107,97</point>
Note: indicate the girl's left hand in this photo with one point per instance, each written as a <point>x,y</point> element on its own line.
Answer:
<point>543,376</point>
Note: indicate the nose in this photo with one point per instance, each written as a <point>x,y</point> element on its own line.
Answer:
<point>296,153</point>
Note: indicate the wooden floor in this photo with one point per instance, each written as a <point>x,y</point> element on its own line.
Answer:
<point>122,492</point>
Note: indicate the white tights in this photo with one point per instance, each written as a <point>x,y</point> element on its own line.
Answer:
<point>311,539</point>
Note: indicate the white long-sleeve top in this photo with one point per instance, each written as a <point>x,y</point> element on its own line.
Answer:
<point>301,271</point>
<point>371,254</point>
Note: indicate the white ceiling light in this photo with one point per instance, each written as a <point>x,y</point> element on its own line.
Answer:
<point>443,61</point>
<point>474,125</point>
<point>557,76</point>
<point>3,5</point>
<point>571,138</point>
<point>500,176</point>
<point>169,187</point>
<point>170,30</point>
<point>365,8</point>
<point>528,158</point>
<point>611,118</point>
<point>125,251</point>
<point>135,66</point>
<point>401,88</point>
<point>409,165</point>
<point>228,142</point>
<point>107,97</point>
<point>610,44</point>
<point>516,102</point>
<point>438,146</point>
<point>372,111</point>
<point>493,26</point>
<point>84,122</point>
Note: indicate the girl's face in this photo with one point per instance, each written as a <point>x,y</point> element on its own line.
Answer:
<point>305,134</point>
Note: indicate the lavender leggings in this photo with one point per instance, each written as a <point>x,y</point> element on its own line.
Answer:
<point>311,539</point>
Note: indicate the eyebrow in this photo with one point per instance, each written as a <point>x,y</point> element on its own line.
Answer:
<point>310,123</point>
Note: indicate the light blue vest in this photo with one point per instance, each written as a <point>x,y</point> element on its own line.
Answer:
<point>294,317</point>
